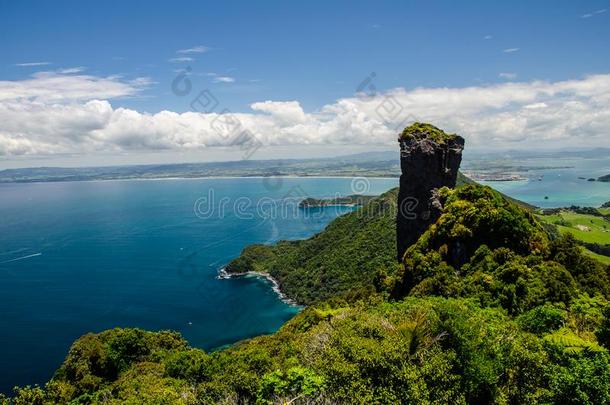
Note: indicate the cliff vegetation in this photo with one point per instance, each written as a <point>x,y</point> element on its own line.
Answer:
<point>487,306</point>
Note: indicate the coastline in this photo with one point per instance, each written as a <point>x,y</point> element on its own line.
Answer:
<point>200,178</point>
<point>275,285</point>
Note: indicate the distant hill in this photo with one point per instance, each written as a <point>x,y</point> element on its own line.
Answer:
<point>374,164</point>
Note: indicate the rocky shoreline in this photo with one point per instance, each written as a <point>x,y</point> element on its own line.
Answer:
<point>223,274</point>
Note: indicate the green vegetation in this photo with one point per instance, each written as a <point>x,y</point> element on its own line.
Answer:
<point>355,199</point>
<point>600,258</point>
<point>438,135</point>
<point>418,350</point>
<point>342,259</point>
<point>487,248</point>
<point>590,226</point>
<point>488,307</point>
<point>605,209</point>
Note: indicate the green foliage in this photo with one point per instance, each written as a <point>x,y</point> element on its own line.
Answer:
<point>603,331</point>
<point>486,247</point>
<point>189,365</point>
<point>486,308</point>
<point>432,132</point>
<point>296,382</point>
<point>543,319</point>
<point>95,360</point>
<point>586,312</point>
<point>343,259</point>
<point>566,341</point>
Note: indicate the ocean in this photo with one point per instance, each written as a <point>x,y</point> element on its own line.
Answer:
<point>560,187</point>
<point>81,257</point>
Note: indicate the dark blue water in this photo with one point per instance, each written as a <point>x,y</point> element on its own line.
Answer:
<point>87,256</point>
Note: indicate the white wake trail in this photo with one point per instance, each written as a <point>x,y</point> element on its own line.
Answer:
<point>21,258</point>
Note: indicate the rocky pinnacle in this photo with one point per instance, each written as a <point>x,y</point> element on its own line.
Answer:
<point>429,160</point>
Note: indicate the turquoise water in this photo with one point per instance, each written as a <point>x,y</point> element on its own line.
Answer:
<point>563,187</point>
<point>87,256</point>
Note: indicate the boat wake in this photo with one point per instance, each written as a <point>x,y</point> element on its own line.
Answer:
<point>21,258</point>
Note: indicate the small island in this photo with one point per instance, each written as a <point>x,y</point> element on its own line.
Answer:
<point>348,201</point>
<point>604,179</point>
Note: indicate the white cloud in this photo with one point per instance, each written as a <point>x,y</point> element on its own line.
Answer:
<point>220,78</point>
<point>68,71</point>
<point>195,49</point>
<point>487,37</point>
<point>52,113</point>
<point>596,12</point>
<point>224,79</point>
<point>284,113</point>
<point>535,106</point>
<point>181,59</point>
<point>26,64</point>
<point>52,87</point>
<point>507,76</point>
<point>510,50</point>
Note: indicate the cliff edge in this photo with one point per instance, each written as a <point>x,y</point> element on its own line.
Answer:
<point>429,160</point>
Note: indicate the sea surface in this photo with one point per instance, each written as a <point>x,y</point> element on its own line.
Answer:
<point>561,187</point>
<point>81,257</point>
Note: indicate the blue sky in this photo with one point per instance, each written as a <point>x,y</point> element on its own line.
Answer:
<point>312,52</point>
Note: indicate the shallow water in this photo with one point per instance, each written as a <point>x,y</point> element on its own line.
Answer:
<point>549,188</point>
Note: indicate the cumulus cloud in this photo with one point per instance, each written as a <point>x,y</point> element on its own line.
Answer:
<point>53,113</point>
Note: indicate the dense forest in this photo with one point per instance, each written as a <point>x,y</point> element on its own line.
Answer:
<point>487,307</point>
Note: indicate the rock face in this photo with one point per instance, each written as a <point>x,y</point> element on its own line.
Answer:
<point>429,160</point>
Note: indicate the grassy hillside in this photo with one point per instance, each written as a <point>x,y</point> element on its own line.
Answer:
<point>486,308</point>
<point>600,258</point>
<point>592,230</point>
<point>588,228</point>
